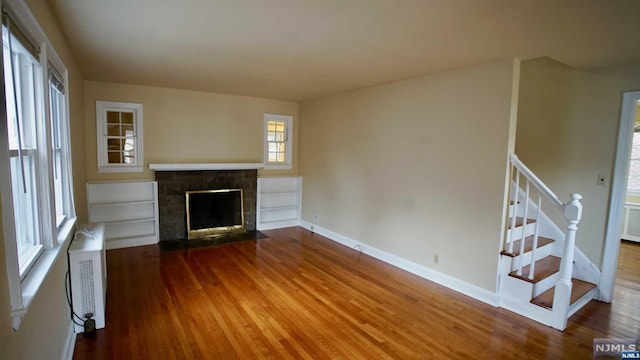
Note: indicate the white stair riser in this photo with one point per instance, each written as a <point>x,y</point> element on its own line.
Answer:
<point>545,284</point>
<point>516,233</point>
<point>540,253</point>
<point>516,289</point>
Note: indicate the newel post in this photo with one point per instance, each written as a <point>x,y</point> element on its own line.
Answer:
<point>562,296</point>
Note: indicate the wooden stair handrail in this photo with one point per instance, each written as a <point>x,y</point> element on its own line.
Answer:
<point>572,212</point>
<point>537,182</point>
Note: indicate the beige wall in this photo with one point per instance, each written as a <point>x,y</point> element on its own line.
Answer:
<point>567,133</point>
<point>182,126</point>
<point>43,333</point>
<point>414,168</point>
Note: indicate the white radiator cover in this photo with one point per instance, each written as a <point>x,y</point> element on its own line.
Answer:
<point>88,269</point>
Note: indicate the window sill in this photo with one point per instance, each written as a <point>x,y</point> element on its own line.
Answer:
<point>119,169</point>
<point>277,166</point>
<point>38,274</point>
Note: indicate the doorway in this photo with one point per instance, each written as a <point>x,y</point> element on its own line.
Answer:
<point>630,102</point>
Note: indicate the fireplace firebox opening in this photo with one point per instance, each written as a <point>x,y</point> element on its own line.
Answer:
<point>212,213</point>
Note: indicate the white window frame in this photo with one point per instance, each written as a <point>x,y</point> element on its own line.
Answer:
<point>55,239</point>
<point>287,164</point>
<point>102,137</point>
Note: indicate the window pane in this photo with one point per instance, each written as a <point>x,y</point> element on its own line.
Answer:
<point>127,118</point>
<point>127,130</point>
<point>113,117</point>
<point>634,164</point>
<point>57,116</point>
<point>114,157</point>
<point>113,130</point>
<point>114,144</point>
<point>24,207</point>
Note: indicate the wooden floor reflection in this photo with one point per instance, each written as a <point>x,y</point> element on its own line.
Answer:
<point>297,295</point>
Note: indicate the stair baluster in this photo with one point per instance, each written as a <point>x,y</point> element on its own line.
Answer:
<point>524,225</point>
<point>572,212</point>
<point>515,208</point>
<point>535,238</point>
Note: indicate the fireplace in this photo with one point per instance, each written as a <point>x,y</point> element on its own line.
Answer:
<point>213,213</point>
<point>174,185</point>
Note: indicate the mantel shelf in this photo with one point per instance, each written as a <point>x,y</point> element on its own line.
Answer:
<point>205,166</point>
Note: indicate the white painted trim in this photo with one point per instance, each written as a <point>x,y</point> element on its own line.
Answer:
<point>528,310</point>
<point>70,346</point>
<point>448,281</point>
<point>277,224</point>
<point>618,196</point>
<point>206,166</point>
<point>288,120</point>
<point>101,127</point>
<point>132,242</point>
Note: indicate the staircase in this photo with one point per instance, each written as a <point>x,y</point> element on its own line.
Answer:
<point>543,275</point>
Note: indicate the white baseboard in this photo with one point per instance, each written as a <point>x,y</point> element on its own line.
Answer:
<point>448,281</point>
<point>70,345</point>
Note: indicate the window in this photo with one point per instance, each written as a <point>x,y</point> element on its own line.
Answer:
<point>59,148</point>
<point>22,88</point>
<point>119,128</point>
<point>633,183</point>
<point>278,141</point>
<point>38,214</point>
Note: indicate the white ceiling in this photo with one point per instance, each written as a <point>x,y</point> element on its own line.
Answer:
<point>301,49</point>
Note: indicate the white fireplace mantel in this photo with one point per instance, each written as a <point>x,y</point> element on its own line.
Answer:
<point>205,166</point>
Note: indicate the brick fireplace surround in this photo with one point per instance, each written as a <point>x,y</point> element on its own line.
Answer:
<point>172,186</point>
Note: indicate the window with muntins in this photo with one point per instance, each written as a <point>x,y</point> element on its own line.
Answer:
<point>119,136</point>
<point>278,141</point>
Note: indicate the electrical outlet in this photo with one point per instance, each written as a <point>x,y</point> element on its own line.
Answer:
<point>436,258</point>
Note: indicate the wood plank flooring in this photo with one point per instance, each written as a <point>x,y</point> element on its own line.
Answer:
<point>297,295</point>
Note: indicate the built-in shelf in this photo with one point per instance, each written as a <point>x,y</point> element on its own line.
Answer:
<point>279,202</point>
<point>205,166</point>
<point>128,209</point>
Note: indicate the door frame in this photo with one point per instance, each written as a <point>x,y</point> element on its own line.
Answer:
<point>630,101</point>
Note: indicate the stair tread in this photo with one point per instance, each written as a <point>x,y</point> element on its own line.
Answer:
<point>545,267</point>
<point>519,222</point>
<point>578,290</point>
<point>528,245</point>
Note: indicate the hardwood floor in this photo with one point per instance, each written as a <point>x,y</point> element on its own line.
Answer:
<point>297,295</point>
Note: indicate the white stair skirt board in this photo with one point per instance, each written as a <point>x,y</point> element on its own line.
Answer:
<point>445,280</point>
<point>584,300</point>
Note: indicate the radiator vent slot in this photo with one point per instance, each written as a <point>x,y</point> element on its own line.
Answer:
<point>87,289</point>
